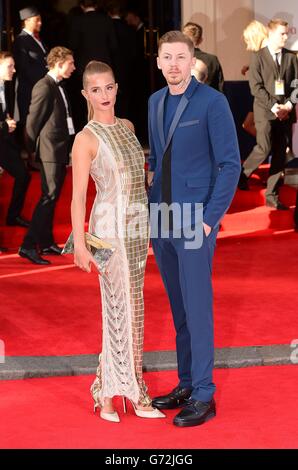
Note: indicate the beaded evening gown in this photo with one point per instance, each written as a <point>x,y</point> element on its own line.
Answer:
<point>120,217</point>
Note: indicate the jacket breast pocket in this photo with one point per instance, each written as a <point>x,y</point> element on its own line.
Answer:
<point>189,123</point>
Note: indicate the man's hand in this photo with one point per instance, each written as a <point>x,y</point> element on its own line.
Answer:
<point>282,113</point>
<point>11,124</point>
<point>207,229</point>
<point>150,177</point>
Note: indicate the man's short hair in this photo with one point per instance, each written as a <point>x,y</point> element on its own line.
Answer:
<point>58,54</point>
<point>5,55</point>
<point>114,7</point>
<point>273,24</point>
<point>176,36</point>
<point>195,31</point>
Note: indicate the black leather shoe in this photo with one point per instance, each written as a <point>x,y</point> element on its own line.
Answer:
<point>32,256</point>
<point>276,204</point>
<point>18,221</point>
<point>51,250</point>
<point>177,398</point>
<point>195,413</point>
<point>243,182</point>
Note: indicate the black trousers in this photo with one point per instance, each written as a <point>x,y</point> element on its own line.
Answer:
<point>40,232</point>
<point>11,161</point>
<point>272,137</point>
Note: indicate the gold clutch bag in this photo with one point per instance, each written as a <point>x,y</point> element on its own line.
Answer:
<point>100,250</point>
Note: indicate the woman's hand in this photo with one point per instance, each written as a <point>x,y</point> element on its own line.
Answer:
<point>244,69</point>
<point>84,259</point>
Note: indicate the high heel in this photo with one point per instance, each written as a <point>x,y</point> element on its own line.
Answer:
<point>112,417</point>
<point>155,413</point>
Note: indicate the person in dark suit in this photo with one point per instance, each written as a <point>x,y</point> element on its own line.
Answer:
<point>124,60</point>
<point>10,158</point>
<point>215,74</point>
<point>141,83</point>
<point>194,158</point>
<point>91,36</point>
<point>49,127</point>
<point>30,56</point>
<point>271,74</point>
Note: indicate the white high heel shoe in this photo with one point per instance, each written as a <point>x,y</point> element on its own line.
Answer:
<point>155,413</point>
<point>112,417</point>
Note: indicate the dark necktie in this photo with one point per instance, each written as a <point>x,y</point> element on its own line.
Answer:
<point>277,62</point>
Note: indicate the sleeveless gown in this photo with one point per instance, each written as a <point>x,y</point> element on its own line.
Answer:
<point>120,217</point>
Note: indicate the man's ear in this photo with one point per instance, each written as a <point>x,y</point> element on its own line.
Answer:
<point>193,62</point>
<point>158,63</point>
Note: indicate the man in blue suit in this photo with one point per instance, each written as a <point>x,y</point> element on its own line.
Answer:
<point>194,158</point>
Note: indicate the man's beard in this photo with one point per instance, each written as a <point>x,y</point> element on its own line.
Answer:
<point>175,80</point>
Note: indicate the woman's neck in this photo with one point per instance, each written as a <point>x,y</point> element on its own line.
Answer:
<point>105,118</point>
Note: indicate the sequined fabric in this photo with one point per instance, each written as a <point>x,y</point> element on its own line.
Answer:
<point>118,173</point>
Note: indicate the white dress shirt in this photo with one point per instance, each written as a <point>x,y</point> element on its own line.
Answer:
<point>277,55</point>
<point>2,95</point>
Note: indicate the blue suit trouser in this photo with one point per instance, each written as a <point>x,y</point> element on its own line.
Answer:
<point>187,278</point>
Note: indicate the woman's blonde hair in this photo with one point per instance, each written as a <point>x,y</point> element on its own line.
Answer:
<point>93,68</point>
<point>255,35</point>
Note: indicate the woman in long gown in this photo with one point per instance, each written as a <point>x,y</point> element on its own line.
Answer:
<point>108,149</point>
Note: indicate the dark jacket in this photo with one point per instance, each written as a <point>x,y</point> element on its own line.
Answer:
<point>31,66</point>
<point>46,125</point>
<point>92,37</point>
<point>262,75</point>
<point>7,140</point>
<point>215,73</point>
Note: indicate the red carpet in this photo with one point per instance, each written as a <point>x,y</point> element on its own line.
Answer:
<point>256,408</point>
<point>47,311</point>
<point>56,310</point>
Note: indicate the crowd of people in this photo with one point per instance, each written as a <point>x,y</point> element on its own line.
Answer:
<point>186,118</point>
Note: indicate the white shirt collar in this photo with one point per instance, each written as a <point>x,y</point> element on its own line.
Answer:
<point>53,76</point>
<point>272,52</point>
<point>28,32</point>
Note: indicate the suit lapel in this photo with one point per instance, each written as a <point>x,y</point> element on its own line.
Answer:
<point>57,92</point>
<point>269,59</point>
<point>160,118</point>
<point>34,43</point>
<point>181,108</point>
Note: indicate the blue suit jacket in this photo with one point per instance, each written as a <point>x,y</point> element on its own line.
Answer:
<point>205,156</point>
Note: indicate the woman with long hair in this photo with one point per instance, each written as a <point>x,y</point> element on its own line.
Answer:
<point>108,149</point>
